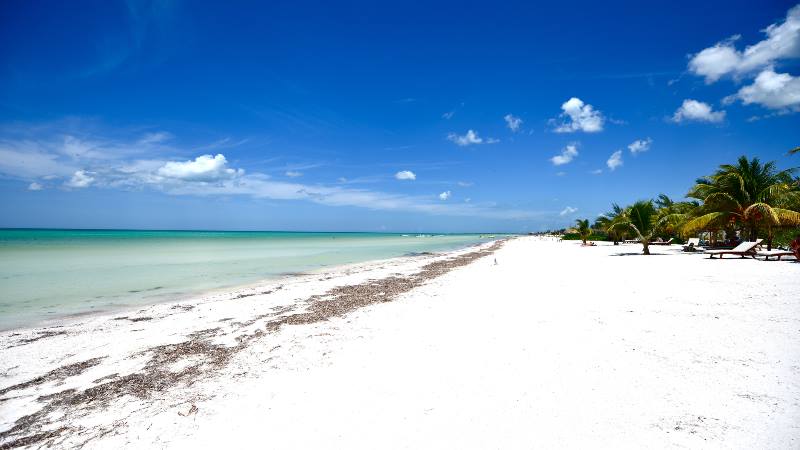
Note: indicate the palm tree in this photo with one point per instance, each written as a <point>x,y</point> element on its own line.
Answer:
<point>749,196</point>
<point>794,150</point>
<point>641,220</point>
<point>663,201</point>
<point>584,231</point>
<point>605,221</point>
<point>671,215</point>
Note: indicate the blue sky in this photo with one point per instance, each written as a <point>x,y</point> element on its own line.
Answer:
<point>380,117</point>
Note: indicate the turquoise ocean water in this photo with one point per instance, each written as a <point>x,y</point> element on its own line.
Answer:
<point>46,274</point>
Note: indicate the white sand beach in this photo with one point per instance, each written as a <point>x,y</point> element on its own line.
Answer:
<point>535,344</point>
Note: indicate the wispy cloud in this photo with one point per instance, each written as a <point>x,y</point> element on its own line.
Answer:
<point>80,179</point>
<point>566,156</point>
<point>445,195</point>
<point>513,123</point>
<point>567,210</point>
<point>53,160</point>
<point>615,160</point>
<point>155,138</point>
<point>470,138</point>
<point>640,146</point>
<point>405,175</point>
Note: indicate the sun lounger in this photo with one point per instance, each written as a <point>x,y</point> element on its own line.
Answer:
<point>659,242</point>
<point>744,249</point>
<point>767,254</point>
<point>691,245</point>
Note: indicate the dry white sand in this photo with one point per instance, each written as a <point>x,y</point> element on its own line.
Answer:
<point>554,346</point>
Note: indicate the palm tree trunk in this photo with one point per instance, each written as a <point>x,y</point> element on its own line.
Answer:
<point>646,247</point>
<point>770,235</point>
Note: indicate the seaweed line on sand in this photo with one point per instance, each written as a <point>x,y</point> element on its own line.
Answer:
<point>203,356</point>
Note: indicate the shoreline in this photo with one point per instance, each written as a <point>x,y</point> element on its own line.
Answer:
<point>554,343</point>
<point>66,319</point>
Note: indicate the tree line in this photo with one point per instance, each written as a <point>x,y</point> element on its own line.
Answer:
<point>747,200</point>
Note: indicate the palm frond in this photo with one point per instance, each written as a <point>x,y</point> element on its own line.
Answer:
<point>787,217</point>
<point>705,222</point>
<point>722,200</point>
<point>762,213</point>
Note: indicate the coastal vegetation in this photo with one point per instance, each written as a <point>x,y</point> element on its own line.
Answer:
<point>742,201</point>
<point>584,230</point>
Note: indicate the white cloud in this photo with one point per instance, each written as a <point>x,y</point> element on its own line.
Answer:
<point>771,90</point>
<point>580,117</point>
<point>35,186</point>
<point>782,42</point>
<point>445,195</point>
<point>615,160</point>
<point>468,139</point>
<point>80,179</point>
<point>293,174</point>
<point>717,61</point>
<point>465,183</point>
<point>203,168</point>
<point>28,160</point>
<point>513,123</point>
<point>693,110</point>
<point>154,138</point>
<point>37,153</point>
<point>640,145</point>
<point>568,153</point>
<point>567,210</point>
<point>448,115</point>
<point>596,171</point>
<point>405,175</point>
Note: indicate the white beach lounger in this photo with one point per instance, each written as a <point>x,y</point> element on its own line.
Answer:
<point>692,245</point>
<point>746,248</point>
<point>694,242</point>
<point>660,242</point>
<point>778,254</point>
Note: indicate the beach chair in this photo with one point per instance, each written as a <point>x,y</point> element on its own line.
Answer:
<point>778,254</point>
<point>744,249</point>
<point>661,242</point>
<point>691,244</point>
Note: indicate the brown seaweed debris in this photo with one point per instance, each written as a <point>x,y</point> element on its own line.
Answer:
<point>40,335</point>
<point>60,374</point>
<point>344,299</point>
<point>155,378</point>
<point>32,439</point>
